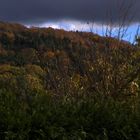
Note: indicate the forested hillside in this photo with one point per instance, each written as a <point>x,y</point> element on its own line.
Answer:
<point>56,84</point>
<point>49,60</point>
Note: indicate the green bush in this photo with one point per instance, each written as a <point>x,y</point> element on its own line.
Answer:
<point>43,117</point>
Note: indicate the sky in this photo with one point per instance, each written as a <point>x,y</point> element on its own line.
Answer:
<point>72,14</point>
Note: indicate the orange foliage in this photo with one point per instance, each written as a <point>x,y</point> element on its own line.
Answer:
<point>50,54</point>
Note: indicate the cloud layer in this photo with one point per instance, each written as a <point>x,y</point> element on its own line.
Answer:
<point>37,11</point>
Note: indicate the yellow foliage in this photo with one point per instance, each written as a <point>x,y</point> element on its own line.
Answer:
<point>136,54</point>
<point>134,88</point>
<point>33,83</point>
<point>76,78</point>
<point>5,68</point>
<point>34,70</point>
<point>8,80</point>
<point>96,38</point>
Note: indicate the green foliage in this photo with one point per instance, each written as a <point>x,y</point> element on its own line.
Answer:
<point>44,117</point>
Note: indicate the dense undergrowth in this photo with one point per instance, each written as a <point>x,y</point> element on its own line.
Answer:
<point>67,85</point>
<point>89,118</point>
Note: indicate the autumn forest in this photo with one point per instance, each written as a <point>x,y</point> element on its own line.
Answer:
<point>67,85</point>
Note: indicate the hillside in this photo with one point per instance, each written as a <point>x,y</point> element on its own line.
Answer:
<point>56,84</point>
<point>46,57</point>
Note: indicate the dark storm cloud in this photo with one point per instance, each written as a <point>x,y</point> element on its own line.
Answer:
<point>27,11</point>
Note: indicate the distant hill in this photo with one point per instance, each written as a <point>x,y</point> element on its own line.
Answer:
<point>48,58</point>
<point>16,38</point>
